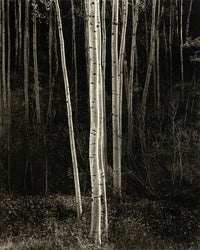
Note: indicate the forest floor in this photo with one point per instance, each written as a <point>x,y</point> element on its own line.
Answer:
<point>36,222</point>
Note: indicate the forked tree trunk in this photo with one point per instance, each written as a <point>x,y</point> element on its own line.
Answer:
<point>69,111</point>
<point>35,61</point>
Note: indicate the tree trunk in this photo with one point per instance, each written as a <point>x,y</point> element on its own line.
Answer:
<point>131,74</point>
<point>35,61</point>
<point>8,93</point>
<point>49,111</point>
<point>115,83</point>
<point>16,36</point>
<point>74,59</point>
<point>181,50</point>
<point>26,63</point>
<point>20,29</point>
<point>1,99</point>
<point>69,111</point>
<point>94,150</point>
<point>188,19</point>
<point>148,75</point>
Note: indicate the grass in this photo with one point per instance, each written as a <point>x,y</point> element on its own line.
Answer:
<point>35,222</point>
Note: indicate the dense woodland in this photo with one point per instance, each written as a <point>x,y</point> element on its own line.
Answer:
<point>99,124</point>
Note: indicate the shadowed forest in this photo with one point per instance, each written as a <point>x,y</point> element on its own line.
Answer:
<point>99,124</point>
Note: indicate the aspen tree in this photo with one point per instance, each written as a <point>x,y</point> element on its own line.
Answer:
<point>35,62</point>
<point>8,92</point>
<point>146,29</point>
<point>95,230</point>
<point>117,173</point>
<point>181,50</point>
<point>177,24</point>
<point>1,101</point>
<point>102,112</point>
<point>103,18</point>
<point>158,59</point>
<point>49,111</point>
<point>74,59</point>
<point>115,97</point>
<point>131,73</point>
<point>20,29</point>
<point>170,47</point>
<point>148,75</point>
<point>69,111</point>
<point>188,19</point>
<point>26,62</point>
<point>3,64</point>
<point>16,35</point>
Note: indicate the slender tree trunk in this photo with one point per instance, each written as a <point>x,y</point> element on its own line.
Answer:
<point>49,111</point>
<point>158,59</point>
<point>69,111</point>
<point>74,60</point>
<point>148,75</point>
<point>20,30</point>
<point>115,83</point>
<point>177,24</point>
<point>35,61</point>
<point>16,36</point>
<point>1,99</point>
<point>8,93</point>
<point>131,73</point>
<point>146,31</point>
<point>26,63</point>
<point>188,19</point>
<point>103,17</point>
<point>95,170</point>
<point>170,49</point>
<point>181,50</point>
<point>3,63</point>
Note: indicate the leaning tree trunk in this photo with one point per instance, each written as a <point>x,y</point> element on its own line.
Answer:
<point>188,19</point>
<point>35,61</point>
<point>148,75</point>
<point>69,111</point>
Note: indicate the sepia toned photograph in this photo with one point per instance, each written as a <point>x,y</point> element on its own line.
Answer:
<point>99,124</point>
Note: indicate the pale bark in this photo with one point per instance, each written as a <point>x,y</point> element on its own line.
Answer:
<point>1,99</point>
<point>170,47</point>
<point>35,62</point>
<point>146,31</point>
<point>69,111</point>
<point>95,229</point>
